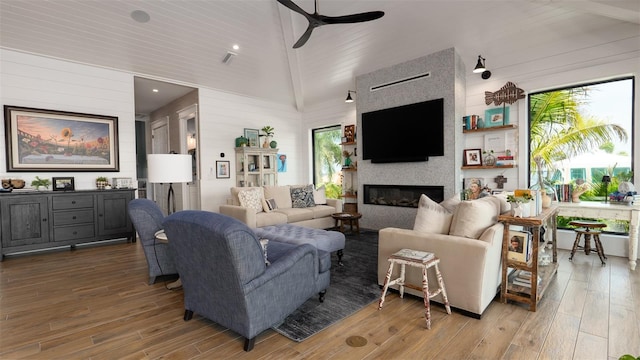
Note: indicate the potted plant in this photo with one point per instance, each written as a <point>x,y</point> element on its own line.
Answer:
<point>37,182</point>
<point>347,158</point>
<point>102,182</point>
<point>268,133</point>
<point>520,205</point>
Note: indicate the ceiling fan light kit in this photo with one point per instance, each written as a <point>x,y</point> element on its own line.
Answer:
<point>315,20</point>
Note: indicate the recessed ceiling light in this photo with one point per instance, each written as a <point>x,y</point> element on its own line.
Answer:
<point>140,16</point>
<point>155,90</point>
<point>236,47</point>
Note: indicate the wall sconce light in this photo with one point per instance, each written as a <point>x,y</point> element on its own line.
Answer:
<point>481,68</point>
<point>606,179</point>
<point>349,99</point>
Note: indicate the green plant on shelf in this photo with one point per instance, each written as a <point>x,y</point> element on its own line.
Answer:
<point>38,182</point>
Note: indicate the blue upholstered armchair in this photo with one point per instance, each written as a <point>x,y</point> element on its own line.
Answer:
<point>147,219</point>
<point>225,278</point>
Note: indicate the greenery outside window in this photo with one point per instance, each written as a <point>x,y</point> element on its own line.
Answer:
<point>578,134</point>
<point>327,158</point>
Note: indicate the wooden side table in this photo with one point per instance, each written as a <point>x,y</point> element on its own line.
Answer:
<point>161,236</point>
<point>345,217</point>
<point>423,260</point>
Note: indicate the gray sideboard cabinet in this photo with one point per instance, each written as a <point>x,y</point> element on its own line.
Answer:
<point>42,219</point>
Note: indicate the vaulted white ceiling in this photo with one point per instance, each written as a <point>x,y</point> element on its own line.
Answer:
<point>185,41</point>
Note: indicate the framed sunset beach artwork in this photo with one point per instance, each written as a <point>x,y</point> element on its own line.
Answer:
<point>50,140</point>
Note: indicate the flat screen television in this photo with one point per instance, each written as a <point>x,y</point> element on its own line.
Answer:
<point>405,133</point>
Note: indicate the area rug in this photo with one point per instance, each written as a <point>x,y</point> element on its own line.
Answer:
<point>353,286</point>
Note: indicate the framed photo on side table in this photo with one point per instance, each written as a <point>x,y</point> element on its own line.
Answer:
<point>472,157</point>
<point>63,184</point>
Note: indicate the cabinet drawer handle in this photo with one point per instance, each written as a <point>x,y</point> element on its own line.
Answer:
<point>44,220</point>
<point>73,201</point>
<point>100,215</point>
<point>75,233</point>
<point>74,218</point>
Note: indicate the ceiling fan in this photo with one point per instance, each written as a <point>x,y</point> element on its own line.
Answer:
<point>316,19</point>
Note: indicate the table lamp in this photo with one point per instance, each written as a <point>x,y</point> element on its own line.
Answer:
<point>169,168</point>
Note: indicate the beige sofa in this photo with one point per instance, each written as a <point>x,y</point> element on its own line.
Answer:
<point>468,240</point>
<point>288,210</point>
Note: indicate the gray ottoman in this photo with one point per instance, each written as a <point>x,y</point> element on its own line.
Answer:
<point>329,241</point>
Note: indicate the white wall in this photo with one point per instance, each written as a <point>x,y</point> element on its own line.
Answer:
<point>38,82</point>
<point>223,118</point>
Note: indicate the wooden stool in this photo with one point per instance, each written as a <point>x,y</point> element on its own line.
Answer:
<point>587,233</point>
<point>419,259</point>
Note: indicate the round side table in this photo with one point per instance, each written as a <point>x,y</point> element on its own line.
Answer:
<point>344,217</point>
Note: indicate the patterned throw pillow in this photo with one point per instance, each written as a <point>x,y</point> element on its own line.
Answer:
<point>302,197</point>
<point>251,199</point>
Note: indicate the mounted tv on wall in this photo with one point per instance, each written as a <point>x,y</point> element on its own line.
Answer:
<point>405,133</point>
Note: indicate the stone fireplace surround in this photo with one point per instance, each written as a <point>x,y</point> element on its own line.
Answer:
<point>400,195</point>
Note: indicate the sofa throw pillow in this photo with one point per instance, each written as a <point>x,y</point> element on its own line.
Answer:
<point>302,197</point>
<point>473,217</point>
<point>451,203</point>
<point>271,204</point>
<point>281,194</point>
<point>320,196</point>
<point>251,199</point>
<point>432,217</point>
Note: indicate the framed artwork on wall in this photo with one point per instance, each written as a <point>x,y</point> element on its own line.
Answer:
<point>222,170</point>
<point>51,140</point>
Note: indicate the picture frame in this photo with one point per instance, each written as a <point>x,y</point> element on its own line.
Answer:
<point>223,170</point>
<point>266,162</point>
<point>495,117</point>
<point>472,157</point>
<point>523,241</point>
<point>253,135</point>
<point>52,140</point>
<point>350,133</point>
<point>63,183</point>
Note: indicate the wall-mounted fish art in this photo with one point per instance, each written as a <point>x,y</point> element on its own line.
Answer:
<point>508,94</point>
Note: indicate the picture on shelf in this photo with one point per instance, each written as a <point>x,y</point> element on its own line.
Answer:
<point>350,133</point>
<point>472,157</point>
<point>519,245</point>
<point>63,184</point>
<point>496,117</point>
<point>253,136</point>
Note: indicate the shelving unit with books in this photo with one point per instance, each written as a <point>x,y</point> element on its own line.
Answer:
<point>518,290</point>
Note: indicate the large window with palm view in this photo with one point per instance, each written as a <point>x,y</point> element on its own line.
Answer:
<point>580,135</point>
<point>326,160</point>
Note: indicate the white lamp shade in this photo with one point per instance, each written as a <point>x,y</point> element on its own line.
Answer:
<point>169,168</point>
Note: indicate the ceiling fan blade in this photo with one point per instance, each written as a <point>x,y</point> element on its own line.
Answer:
<point>291,5</point>
<point>355,18</point>
<point>303,39</point>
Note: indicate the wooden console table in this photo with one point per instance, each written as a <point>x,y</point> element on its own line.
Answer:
<point>598,210</point>
<point>530,295</point>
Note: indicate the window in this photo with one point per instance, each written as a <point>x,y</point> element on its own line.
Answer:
<point>327,157</point>
<point>578,134</point>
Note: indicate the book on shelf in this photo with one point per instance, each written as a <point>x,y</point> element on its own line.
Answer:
<point>523,278</point>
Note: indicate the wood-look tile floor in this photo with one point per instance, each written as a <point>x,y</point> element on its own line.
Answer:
<point>95,303</point>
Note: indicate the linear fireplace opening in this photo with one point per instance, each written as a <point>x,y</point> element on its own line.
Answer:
<point>400,195</point>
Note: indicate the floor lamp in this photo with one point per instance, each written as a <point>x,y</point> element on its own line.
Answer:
<point>169,168</point>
